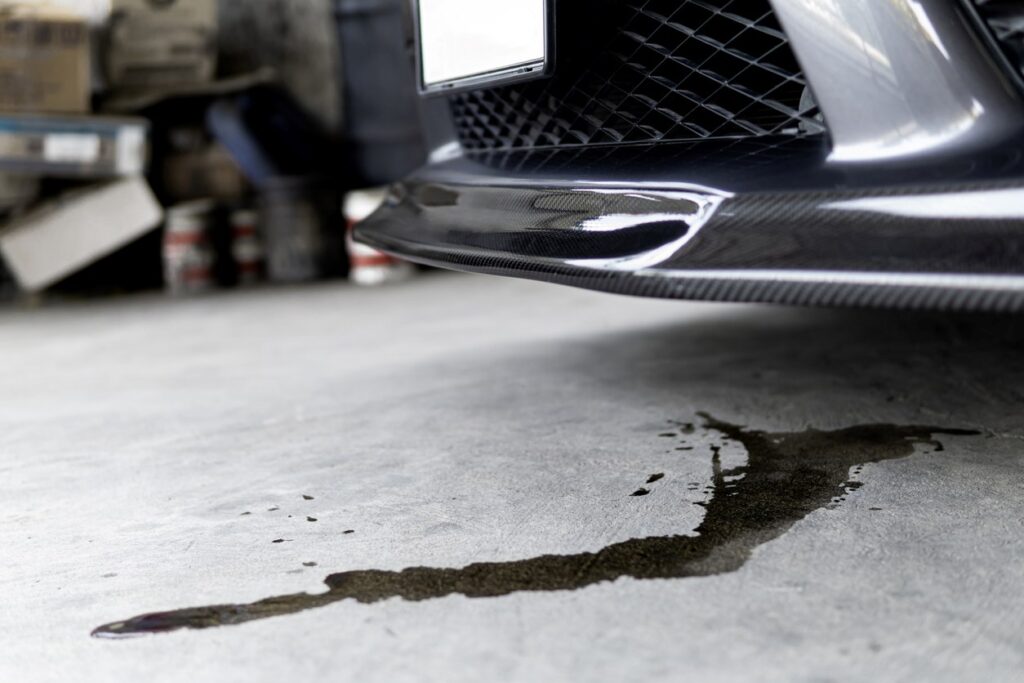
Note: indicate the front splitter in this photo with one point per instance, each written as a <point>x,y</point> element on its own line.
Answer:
<point>927,247</point>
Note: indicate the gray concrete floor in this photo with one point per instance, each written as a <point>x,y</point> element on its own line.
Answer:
<point>460,420</point>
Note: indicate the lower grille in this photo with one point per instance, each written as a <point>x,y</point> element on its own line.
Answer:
<point>642,71</point>
<point>1005,18</point>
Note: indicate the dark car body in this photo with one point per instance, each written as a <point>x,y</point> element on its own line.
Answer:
<point>833,152</point>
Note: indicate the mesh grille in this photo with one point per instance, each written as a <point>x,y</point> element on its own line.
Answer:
<point>1006,20</point>
<point>650,71</point>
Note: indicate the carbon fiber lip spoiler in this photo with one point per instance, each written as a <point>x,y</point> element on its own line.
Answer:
<point>930,247</point>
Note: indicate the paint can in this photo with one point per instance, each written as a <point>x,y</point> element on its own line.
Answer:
<point>369,267</point>
<point>247,247</point>
<point>187,252</point>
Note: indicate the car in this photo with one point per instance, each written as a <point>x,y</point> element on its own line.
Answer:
<point>810,152</point>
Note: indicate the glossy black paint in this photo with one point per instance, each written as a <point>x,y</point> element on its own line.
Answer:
<point>783,223</point>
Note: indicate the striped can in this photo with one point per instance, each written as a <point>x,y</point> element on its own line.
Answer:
<point>187,252</point>
<point>369,267</point>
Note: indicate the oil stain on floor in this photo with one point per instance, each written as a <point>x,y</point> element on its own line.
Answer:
<point>786,477</point>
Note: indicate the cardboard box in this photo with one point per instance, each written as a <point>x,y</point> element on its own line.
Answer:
<point>45,61</point>
<point>165,44</point>
<point>74,146</point>
<point>77,230</point>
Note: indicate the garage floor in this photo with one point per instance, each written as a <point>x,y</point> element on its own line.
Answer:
<point>502,480</point>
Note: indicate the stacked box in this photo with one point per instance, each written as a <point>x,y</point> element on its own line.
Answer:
<point>76,230</point>
<point>45,61</point>
<point>73,147</point>
<point>165,44</point>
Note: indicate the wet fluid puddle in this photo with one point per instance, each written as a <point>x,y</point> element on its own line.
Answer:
<point>786,477</point>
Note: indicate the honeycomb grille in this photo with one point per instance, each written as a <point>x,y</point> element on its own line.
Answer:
<point>642,71</point>
<point>1005,18</point>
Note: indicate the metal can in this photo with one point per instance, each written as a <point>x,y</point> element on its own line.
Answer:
<point>293,231</point>
<point>368,266</point>
<point>187,252</point>
<point>247,247</point>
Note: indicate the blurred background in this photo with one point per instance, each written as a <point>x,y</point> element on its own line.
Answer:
<point>198,145</point>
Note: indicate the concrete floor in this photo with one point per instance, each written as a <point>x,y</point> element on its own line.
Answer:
<point>460,420</point>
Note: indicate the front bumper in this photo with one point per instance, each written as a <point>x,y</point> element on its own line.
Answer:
<point>915,198</point>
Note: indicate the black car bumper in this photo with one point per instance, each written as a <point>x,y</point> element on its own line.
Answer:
<point>790,214</point>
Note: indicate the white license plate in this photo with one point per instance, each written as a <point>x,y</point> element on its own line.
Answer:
<point>476,43</point>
